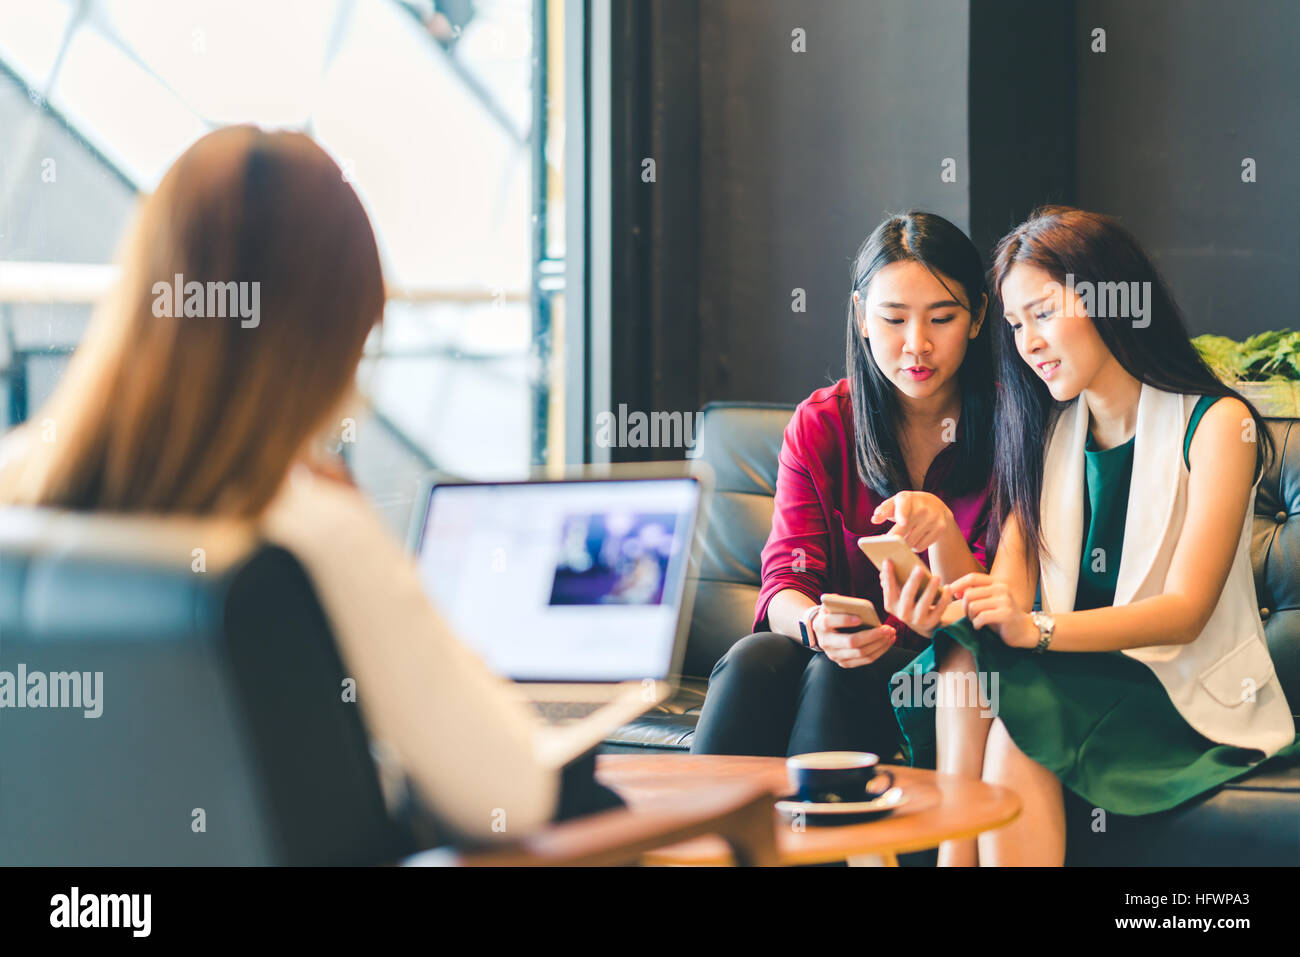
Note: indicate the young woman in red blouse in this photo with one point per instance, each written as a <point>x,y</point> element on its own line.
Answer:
<point>902,445</point>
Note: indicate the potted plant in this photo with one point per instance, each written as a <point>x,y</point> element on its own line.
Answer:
<point>1265,368</point>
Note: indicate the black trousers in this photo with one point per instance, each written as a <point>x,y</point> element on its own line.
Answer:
<point>769,695</point>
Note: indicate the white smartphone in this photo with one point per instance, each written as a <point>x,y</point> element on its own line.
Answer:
<point>845,605</point>
<point>881,547</point>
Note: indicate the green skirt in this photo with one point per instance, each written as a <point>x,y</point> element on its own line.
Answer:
<point>1101,722</point>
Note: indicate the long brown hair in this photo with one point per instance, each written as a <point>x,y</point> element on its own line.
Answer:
<point>1064,241</point>
<point>200,414</point>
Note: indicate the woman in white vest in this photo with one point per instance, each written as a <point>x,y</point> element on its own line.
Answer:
<point>1124,487</point>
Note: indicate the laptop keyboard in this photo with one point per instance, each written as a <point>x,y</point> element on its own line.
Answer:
<point>563,712</point>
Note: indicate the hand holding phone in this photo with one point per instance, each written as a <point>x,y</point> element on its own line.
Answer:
<point>915,596</point>
<point>845,605</point>
<point>852,646</point>
<point>878,548</point>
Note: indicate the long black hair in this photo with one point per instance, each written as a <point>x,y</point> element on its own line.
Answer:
<point>1062,240</point>
<point>949,255</point>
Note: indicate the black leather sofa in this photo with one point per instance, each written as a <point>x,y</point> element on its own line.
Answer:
<point>1255,820</point>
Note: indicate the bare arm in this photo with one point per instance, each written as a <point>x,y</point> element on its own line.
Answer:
<point>783,614</point>
<point>950,556</point>
<point>1013,565</point>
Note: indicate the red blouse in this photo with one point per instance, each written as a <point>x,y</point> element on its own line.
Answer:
<point>822,508</point>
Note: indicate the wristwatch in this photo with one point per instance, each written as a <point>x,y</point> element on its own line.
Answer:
<point>805,624</point>
<point>1046,627</point>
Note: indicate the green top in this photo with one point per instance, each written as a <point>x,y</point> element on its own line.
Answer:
<point>1109,473</point>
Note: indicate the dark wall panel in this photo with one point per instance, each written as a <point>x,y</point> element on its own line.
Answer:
<point>801,154</point>
<point>1022,150</point>
<point>1185,90</point>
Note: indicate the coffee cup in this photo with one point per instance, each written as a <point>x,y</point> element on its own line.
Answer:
<point>836,777</point>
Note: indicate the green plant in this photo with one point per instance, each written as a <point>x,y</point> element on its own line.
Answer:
<point>1267,357</point>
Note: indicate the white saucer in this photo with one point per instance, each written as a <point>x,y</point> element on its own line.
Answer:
<point>891,800</point>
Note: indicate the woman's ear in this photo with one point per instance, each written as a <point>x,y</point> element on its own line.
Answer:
<point>979,318</point>
<point>859,314</point>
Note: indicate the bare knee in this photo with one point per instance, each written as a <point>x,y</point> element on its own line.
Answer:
<point>961,738</point>
<point>995,752</point>
<point>1004,762</point>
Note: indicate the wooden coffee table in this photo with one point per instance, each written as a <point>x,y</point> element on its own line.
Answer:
<point>940,807</point>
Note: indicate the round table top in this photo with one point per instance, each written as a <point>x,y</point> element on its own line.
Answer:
<point>939,807</point>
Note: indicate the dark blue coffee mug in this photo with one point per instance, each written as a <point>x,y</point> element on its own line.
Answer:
<point>836,777</point>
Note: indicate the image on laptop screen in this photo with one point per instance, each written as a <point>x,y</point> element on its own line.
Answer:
<point>562,581</point>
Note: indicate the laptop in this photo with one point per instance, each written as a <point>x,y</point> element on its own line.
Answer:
<point>591,577</point>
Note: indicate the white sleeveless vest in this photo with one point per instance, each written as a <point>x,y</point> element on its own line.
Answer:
<point>1223,683</point>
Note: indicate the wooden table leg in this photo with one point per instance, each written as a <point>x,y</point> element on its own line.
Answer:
<point>873,860</point>
<point>750,832</point>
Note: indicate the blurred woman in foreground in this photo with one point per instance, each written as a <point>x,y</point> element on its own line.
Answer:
<point>173,408</point>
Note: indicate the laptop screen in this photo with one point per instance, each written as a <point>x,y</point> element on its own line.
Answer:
<point>562,581</point>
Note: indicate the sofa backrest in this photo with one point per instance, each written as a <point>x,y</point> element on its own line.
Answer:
<point>741,441</point>
<point>223,736</point>
<point>1275,553</point>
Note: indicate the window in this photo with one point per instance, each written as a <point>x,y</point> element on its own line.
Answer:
<point>446,117</point>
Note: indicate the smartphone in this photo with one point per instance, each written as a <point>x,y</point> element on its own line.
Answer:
<point>881,547</point>
<point>844,605</point>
